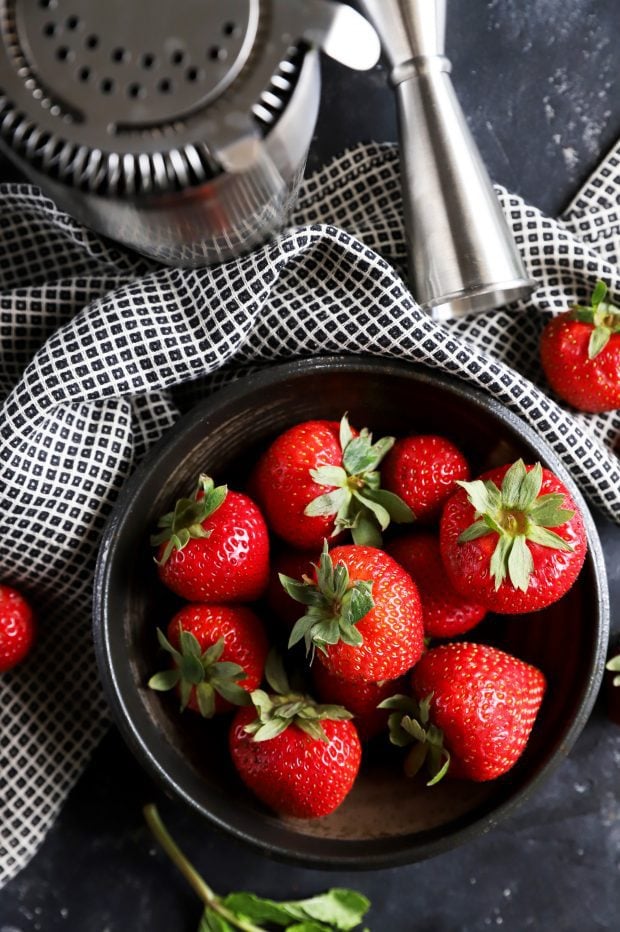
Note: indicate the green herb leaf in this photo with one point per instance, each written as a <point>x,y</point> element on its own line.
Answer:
<point>548,510</point>
<point>275,673</point>
<point>511,485</point>
<point>499,560</point>
<point>346,434</point>
<point>213,922</point>
<point>205,696</point>
<point>530,488</point>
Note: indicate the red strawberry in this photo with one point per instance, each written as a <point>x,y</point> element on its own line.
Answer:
<point>295,563</point>
<point>580,353</point>
<point>363,614</point>
<point>320,478</point>
<point>299,758</point>
<point>423,471</point>
<point>446,613</point>
<point>472,713</point>
<point>17,628</point>
<point>214,547</point>
<point>361,698</point>
<point>218,657</point>
<point>496,544</point>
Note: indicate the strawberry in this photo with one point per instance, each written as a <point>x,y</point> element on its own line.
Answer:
<point>580,354</point>
<point>496,544</point>
<point>446,613</point>
<point>17,628</point>
<point>423,471</point>
<point>218,656</point>
<point>472,713</point>
<point>300,758</point>
<point>363,614</point>
<point>361,698</point>
<point>319,478</point>
<point>213,547</point>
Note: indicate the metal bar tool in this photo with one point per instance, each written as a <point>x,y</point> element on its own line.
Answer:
<point>463,257</point>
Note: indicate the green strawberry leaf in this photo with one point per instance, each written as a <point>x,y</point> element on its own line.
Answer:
<point>599,338</point>
<point>205,696</point>
<point>547,538</point>
<point>346,434</point>
<point>365,532</point>
<point>329,475</point>
<point>599,294</point>
<point>614,664</point>
<point>165,680</point>
<point>328,504</point>
<point>478,529</point>
<point>397,509</point>
<point>520,563</point>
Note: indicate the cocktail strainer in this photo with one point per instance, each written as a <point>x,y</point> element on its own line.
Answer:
<point>177,128</point>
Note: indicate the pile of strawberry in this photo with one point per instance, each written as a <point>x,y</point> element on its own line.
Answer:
<point>360,616</point>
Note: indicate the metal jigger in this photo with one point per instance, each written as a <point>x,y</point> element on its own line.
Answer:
<point>463,258</point>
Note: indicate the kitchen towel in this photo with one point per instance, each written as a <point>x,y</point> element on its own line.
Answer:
<point>93,341</point>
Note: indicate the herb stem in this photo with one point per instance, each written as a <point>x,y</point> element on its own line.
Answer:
<point>196,882</point>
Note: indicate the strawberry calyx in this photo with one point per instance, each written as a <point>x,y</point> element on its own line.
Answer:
<point>613,666</point>
<point>203,671</point>
<point>355,498</point>
<point>334,605</point>
<point>183,524</point>
<point>284,707</point>
<point>409,723</point>
<point>517,513</point>
<point>604,317</point>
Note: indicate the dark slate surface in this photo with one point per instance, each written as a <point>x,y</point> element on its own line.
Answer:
<point>539,83</point>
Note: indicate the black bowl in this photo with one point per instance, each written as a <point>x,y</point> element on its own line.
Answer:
<point>386,820</point>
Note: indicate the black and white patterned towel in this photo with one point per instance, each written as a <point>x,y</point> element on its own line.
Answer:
<point>92,340</point>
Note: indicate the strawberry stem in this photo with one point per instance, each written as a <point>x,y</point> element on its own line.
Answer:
<point>196,882</point>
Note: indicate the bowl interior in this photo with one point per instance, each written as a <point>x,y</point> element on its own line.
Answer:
<point>386,819</point>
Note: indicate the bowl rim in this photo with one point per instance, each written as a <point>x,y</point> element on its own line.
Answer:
<point>352,854</point>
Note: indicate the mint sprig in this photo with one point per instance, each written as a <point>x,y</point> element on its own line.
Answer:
<point>338,910</point>
<point>517,513</point>
<point>604,317</point>
<point>356,498</point>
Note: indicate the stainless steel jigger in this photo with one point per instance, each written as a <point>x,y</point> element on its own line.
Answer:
<point>463,258</point>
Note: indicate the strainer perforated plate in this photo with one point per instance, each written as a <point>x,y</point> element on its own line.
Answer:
<point>130,96</point>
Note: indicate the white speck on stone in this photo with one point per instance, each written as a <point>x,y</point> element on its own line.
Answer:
<point>581,787</point>
<point>64,912</point>
<point>571,157</point>
<point>473,881</point>
<point>549,110</point>
<point>580,852</point>
<point>557,138</point>
<point>507,893</point>
<point>499,921</point>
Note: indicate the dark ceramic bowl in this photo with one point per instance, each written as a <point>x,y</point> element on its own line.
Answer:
<point>386,820</point>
